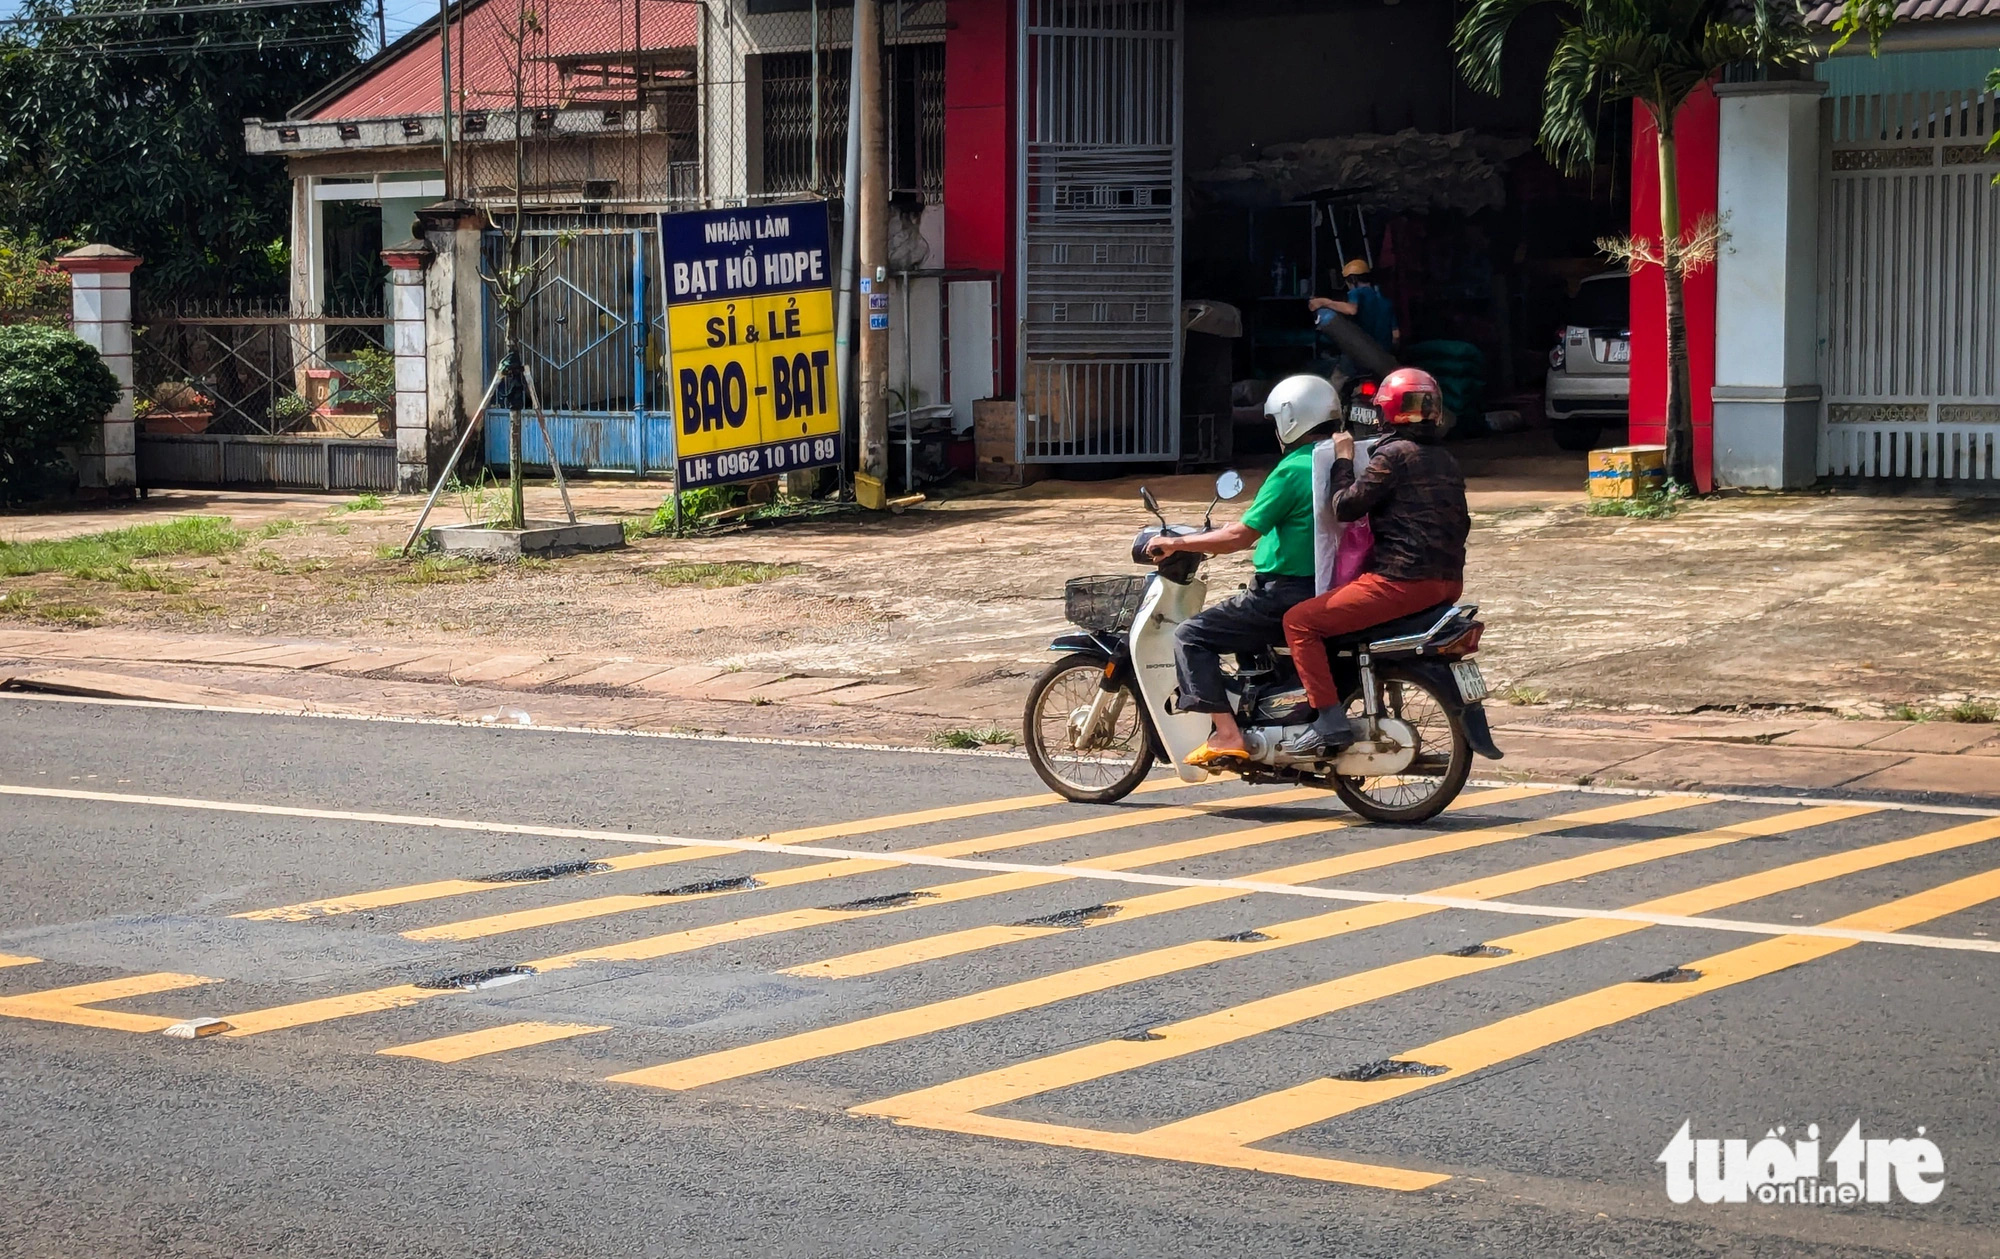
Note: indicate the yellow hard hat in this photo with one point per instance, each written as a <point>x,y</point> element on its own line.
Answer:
<point>1354,267</point>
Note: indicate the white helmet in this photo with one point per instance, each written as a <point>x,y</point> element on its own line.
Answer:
<point>1300,404</point>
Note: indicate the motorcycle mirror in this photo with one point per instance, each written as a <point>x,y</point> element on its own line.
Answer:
<point>1152,504</point>
<point>1228,486</point>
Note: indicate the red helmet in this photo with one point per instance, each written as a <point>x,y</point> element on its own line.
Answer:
<point>1409,395</point>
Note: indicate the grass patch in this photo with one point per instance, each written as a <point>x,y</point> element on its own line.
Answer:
<point>363,502</point>
<point>1972,712</point>
<point>274,529</point>
<point>1525,696</point>
<point>716,576</point>
<point>1658,506</point>
<point>433,570</point>
<point>986,736</point>
<point>1908,712</point>
<point>20,603</point>
<point>106,556</point>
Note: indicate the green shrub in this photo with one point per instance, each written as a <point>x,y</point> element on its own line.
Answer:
<point>371,381</point>
<point>54,390</point>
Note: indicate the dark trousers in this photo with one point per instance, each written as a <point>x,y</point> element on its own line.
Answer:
<point>1247,621</point>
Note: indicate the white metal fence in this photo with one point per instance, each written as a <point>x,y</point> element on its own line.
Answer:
<point>1100,230</point>
<point>1910,288</point>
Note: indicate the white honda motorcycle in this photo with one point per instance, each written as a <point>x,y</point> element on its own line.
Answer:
<point>1100,716</point>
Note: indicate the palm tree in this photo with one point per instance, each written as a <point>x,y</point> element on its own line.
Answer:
<point>1655,52</point>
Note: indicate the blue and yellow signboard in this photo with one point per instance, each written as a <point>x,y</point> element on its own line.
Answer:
<point>750,331</point>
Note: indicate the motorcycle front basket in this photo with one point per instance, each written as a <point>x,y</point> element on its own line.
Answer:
<point>1103,605</point>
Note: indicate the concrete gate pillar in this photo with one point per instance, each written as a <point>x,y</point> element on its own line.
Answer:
<point>411,346</point>
<point>100,294</point>
<point>454,322</point>
<point>1767,394</point>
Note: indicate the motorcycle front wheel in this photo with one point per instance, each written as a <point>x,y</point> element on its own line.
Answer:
<point>1443,758</point>
<point>1100,768</point>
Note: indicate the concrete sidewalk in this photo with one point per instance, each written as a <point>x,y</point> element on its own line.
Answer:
<point>1785,751</point>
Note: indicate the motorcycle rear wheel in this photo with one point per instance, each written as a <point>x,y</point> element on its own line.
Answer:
<point>1104,772</point>
<point>1444,755</point>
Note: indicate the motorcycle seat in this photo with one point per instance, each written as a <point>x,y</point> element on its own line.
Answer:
<point>1415,623</point>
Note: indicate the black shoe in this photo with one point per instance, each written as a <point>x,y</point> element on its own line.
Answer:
<point>1329,733</point>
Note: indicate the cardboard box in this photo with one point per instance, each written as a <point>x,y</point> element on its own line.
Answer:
<point>1627,471</point>
<point>1002,470</point>
<point>993,422</point>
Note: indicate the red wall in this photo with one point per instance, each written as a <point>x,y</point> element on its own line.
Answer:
<point>1695,135</point>
<point>979,54</point>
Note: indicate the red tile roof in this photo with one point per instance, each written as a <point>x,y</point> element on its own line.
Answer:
<point>1825,11</point>
<point>408,80</point>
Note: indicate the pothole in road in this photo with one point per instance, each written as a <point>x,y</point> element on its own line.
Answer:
<point>741,883</point>
<point>1242,937</point>
<point>1071,917</point>
<point>1142,1035</point>
<point>1672,975</point>
<point>888,900</point>
<point>538,874</point>
<point>1390,1069</point>
<point>472,980</point>
<point>1480,950</point>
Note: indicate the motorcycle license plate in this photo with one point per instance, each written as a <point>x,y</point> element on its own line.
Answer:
<point>1471,685</point>
<point>1363,415</point>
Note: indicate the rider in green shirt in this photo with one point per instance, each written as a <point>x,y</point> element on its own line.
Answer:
<point>1279,525</point>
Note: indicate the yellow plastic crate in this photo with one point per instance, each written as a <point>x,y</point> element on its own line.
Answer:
<point>1627,471</point>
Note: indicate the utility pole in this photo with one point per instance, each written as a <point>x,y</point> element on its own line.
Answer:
<point>871,483</point>
<point>381,28</point>
<point>444,81</point>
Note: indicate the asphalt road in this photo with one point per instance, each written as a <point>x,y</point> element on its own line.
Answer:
<point>716,1050</point>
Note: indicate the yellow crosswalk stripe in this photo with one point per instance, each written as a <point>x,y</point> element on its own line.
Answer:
<point>417,892</point>
<point>1045,990</point>
<point>955,943</point>
<point>940,1104</point>
<point>323,1009</point>
<point>491,1040</point>
<point>1287,1110</point>
<point>793,876</point>
<point>73,1004</point>
<point>15,959</point>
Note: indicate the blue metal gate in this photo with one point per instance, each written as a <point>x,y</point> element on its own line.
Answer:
<point>593,337</point>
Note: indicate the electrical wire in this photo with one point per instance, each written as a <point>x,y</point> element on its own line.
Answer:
<point>208,6</point>
<point>197,46</point>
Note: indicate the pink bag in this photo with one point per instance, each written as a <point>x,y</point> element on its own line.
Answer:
<point>1356,548</point>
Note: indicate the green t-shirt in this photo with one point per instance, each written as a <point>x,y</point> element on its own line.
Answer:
<point>1283,513</point>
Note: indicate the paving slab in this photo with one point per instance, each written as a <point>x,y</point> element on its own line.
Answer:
<point>798,688</point>
<point>679,680</point>
<point>620,673</point>
<point>865,693</point>
<point>376,659</point>
<point>551,672</point>
<point>215,650</point>
<point>1935,736</point>
<point>1564,757</point>
<point>127,686</point>
<point>1841,734</point>
<point>1746,731</point>
<point>478,669</point>
<point>1752,765</point>
<point>438,664</point>
<point>308,657</point>
<point>737,685</point>
<point>1956,775</point>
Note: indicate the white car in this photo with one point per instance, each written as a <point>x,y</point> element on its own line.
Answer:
<point>1590,368</point>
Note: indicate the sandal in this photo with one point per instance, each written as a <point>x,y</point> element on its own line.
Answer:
<point>1206,757</point>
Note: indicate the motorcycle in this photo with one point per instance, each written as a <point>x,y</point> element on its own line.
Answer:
<point>1102,714</point>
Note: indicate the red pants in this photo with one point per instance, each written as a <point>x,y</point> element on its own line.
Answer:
<point>1368,600</point>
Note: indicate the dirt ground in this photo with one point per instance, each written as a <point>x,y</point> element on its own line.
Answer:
<point>1851,603</point>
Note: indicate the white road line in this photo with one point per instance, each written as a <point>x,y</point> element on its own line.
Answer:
<point>1132,877</point>
<point>904,749</point>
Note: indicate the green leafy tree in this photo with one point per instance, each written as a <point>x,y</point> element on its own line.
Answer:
<point>129,130</point>
<point>1655,52</point>
<point>53,388</point>
<point>29,280</point>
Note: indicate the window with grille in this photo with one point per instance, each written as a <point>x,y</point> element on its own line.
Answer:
<point>914,106</point>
